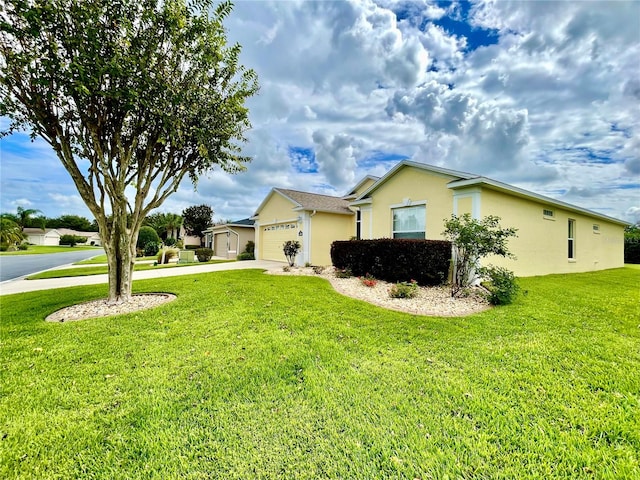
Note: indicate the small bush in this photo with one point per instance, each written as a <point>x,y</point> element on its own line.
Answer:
<point>204,254</point>
<point>245,256</point>
<point>72,240</point>
<point>180,244</point>
<point>250,248</point>
<point>502,285</point>
<point>23,246</point>
<point>146,235</point>
<point>368,281</point>
<point>151,248</point>
<point>404,290</point>
<point>343,273</point>
<point>317,269</point>
<point>170,242</point>
<point>291,249</point>
<point>4,247</point>
<point>169,253</point>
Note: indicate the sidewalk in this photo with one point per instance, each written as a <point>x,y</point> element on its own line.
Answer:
<point>21,285</point>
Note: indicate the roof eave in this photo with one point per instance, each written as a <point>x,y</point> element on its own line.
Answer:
<point>520,192</point>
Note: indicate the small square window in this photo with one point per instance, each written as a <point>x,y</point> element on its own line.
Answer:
<point>547,213</point>
<point>596,228</point>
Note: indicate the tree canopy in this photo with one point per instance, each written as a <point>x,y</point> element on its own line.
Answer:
<point>196,219</point>
<point>133,96</point>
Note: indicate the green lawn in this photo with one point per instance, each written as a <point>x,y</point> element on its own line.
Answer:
<point>38,249</point>
<point>101,269</point>
<point>103,259</point>
<point>247,375</point>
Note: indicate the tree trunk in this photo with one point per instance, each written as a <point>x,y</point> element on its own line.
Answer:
<point>121,255</point>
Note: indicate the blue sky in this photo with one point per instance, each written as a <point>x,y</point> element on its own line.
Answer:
<point>542,95</point>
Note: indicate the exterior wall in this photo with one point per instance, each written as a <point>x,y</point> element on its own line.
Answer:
<point>410,186</point>
<point>325,229</point>
<point>276,210</point>
<point>542,244</point>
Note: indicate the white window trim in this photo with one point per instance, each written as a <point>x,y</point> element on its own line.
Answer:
<point>573,240</point>
<point>406,204</point>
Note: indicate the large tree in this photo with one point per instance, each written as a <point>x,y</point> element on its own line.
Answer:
<point>132,95</point>
<point>196,219</point>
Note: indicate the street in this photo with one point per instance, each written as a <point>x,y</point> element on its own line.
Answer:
<point>14,266</point>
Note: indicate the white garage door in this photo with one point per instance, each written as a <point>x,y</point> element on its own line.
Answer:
<point>273,236</point>
<point>220,243</point>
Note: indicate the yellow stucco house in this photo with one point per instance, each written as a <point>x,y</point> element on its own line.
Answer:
<point>414,199</point>
<point>314,220</point>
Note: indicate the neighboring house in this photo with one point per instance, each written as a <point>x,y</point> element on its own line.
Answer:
<point>93,238</point>
<point>413,200</point>
<point>51,236</point>
<point>230,239</point>
<point>182,235</point>
<point>312,219</point>
<point>39,236</point>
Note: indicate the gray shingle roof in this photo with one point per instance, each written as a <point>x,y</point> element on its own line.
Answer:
<point>315,201</point>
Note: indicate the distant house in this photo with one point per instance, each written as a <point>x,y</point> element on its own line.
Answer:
<point>413,200</point>
<point>230,239</point>
<point>51,236</point>
<point>39,236</point>
<point>93,238</point>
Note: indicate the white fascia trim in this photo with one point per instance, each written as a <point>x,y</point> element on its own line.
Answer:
<point>363,201</point>
<point>408,204</point>
<point>277,220</point>
<point>521,192</point>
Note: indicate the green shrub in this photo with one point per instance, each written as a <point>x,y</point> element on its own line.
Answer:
<point>404,289</point>
<point>204,254</point>
<point>291,249</point>
<point>170,242</point>
<point>23,246</point>
<point>502,285</point>
<point>631,250</point>
<point>72,240</point>
<point>4,247</point>
<point>250,247</point>
<point>151,248</point>
<point>395,260</point>
<point>245,256</point>
<point>145,235</point>
<point>343,273</point>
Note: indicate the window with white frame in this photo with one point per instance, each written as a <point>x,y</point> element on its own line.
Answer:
<point>409,222</point>
<point>571,252</point>
<point>358,224</point>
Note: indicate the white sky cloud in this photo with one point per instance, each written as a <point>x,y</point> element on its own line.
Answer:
<point>543,95</point>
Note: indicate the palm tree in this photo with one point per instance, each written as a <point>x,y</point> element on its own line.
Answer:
<point>10,232</point>
<point>24,214</point>
<point>173,222</point>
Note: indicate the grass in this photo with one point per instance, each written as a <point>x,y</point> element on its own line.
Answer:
<point>247,375</point>
<point>39,249</point>
<point>103,269</point>
<point>101,259</point>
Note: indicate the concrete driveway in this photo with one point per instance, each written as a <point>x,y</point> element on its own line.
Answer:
<point>21,285</point>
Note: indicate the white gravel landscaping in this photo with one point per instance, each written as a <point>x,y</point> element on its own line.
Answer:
<point>432,301</point>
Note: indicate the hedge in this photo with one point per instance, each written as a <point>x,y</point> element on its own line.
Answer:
<point>632,250</point>
<point>395,260</point>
